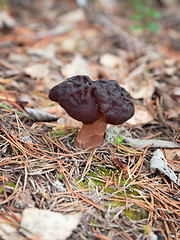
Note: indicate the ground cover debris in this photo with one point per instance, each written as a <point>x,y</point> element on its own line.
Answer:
<point>110,190</point>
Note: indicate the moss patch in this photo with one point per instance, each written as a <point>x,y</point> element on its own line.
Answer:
<point>99,178</point>
<point>1,189</point>
<point>136,213</point>
<point>10,184</point>
<point>62,132</point>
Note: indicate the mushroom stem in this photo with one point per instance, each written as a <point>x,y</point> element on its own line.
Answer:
<point>91,135</point>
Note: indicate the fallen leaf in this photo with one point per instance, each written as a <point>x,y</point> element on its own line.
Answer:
<point>154,143</point>
<point>48,52</point>
<point>6,20</point>
<point>56,31</point>
<point>141,116</point>
<point>68,122</point>
<point>40,116</point>
<point>56,110</point>
<point>175,94</point>
<point>170,71</point>
<point>135,73</point>
<point>159,162</point>
<point>173,154</point>
<point>38,70</point>
<point>78,66</point>
<point>69,44</point>
<point>45,224</point>
<point>72,16</point>
<point>109,60</point>
<point>140,88</point>
<point>18,58</point>
<point>169,62</point>
<point>25,100</point>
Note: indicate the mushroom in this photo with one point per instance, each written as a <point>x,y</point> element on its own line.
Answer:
<point>95,103</point>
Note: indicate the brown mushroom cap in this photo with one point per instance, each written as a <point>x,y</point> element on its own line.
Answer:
<point>74,95</point>
<point>85,100</point>
<point>113,100</point>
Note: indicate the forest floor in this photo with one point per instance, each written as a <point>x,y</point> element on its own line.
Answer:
<point>50,189</point>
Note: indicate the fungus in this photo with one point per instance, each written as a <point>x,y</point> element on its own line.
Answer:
<point>95,103</point>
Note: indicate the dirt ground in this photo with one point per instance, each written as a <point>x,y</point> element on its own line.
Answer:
<point>50,189</point>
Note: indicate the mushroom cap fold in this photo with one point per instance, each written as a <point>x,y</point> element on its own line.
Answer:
<point>113,100</point>
<point>85,100</point>
<point>74,95</point>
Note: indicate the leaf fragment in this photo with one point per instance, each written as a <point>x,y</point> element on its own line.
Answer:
<point>159,162</point>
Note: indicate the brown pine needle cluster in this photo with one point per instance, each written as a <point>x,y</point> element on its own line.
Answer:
<point>111,187</point>
<point>115,189</point>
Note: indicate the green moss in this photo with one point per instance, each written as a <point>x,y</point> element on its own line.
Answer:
<point>132,191</point>
<point>97,179</point>
<point>3,3</point>
<point>10,184</point>
<point>109,190</point>
<point>61,132</point>
<point>93,221</point>
<point>118,203</point>
<point>1,189</point>
<point>136,213</point>
<point>99,176</point>
<point>94,178</point>
<point>92,174</point>
<point>83,184</point>
<point>104,171</point>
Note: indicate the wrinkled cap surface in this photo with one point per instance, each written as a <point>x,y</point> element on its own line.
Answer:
<point>74,95</point>
<point>85,100</point>
<point>114,101</point>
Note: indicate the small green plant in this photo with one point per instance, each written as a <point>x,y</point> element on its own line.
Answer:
<point>58,132</point>
<point>122,145</point>
<point>59,176</point>
<point>145,17</point>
